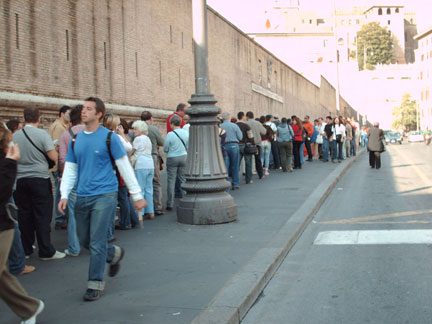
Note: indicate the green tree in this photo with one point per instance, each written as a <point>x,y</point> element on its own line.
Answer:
<point>406,114</point>
<point>377,43</point>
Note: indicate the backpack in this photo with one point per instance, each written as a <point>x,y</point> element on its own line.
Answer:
<point>108,143</point>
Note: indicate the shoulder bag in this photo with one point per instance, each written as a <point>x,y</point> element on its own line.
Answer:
<point>181,140</point>
<point>51,163</point>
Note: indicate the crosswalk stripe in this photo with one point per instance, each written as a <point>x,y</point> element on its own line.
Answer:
<point>374,237</point>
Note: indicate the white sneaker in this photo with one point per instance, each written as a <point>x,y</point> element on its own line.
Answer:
<point>57,255</point>
<point>32,320</point>
<point>70,254</point>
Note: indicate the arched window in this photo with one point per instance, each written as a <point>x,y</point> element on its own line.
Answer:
<point>340,41</point>
<point>379,11</point>
<point>388,11</point>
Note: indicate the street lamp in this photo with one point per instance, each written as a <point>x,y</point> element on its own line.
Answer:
<point>207,200</point>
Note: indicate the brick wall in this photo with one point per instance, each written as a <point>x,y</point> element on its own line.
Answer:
<point>139,53</point>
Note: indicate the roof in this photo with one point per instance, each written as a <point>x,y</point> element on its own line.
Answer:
<point>423,33</point>
<point>385,6</point>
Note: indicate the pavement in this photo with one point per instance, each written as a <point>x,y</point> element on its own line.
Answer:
<point>383,275</point>
<point>176,273</point>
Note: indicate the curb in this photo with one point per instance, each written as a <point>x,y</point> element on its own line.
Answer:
<point>234,300</point>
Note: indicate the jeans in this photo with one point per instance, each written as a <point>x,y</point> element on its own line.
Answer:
<point>343,149</point>
<point>248,163</point>
<point>301,151</point>
<point>258,164</point>
<point>232,162</point>
<point>353,147</point>
<point>309,149</point>
<point>145,180</point>
<point>375,159</point>
<point>265,154</point>
<point>73,241</point>
<point>296,153</point>
<point>16,254</point>
<point>334,150</point>
<point>157,186</point>
<point>94,217</point>
<point>35,205</point>
<point>286,150</point>
<point>325,149</point>
<point>128,216</point>
<point>175,168</point>
<point>59,218</point>
<point>276,154</point>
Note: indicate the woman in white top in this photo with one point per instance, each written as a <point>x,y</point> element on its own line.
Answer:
<point>144,166</point>
<point>338,138</point>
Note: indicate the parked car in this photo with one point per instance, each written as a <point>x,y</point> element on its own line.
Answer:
<point>393,138</point>
<point>415,137</point>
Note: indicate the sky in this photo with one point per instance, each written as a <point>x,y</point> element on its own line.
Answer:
<point>242,12</point>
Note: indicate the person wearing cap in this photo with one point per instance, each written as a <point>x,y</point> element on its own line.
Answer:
<point>375,146</point>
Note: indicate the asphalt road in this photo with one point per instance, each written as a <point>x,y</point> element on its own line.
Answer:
<point>383,275</point>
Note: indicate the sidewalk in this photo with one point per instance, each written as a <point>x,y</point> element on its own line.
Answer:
<point>175,273</point>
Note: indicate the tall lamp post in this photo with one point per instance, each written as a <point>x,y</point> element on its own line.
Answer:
<point>207,200</point>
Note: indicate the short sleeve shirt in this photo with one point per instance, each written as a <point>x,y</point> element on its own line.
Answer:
<point>95,171</point>
<point>33,163</point>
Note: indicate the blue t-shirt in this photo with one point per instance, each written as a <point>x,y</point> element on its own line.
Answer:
<point>95,172</point>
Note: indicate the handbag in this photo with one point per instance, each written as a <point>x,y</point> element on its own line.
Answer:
<point>12,211</point>
<point>250,149</point>
<point>51,163</point>
<point>161,162</point>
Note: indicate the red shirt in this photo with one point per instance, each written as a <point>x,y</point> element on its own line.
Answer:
<point>297,134</point>
<point>169,129</point>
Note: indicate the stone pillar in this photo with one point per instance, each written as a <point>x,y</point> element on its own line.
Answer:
<point>206,200</point>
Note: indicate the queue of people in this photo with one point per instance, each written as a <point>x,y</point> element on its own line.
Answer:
<point>99,163</point>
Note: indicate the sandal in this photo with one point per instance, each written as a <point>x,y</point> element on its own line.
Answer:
<point>27,269</point>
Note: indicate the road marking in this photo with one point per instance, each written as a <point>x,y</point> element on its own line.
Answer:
<point>377,217</point>
<point>374,237</point>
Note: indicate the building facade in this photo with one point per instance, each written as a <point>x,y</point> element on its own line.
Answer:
<point>138,55</point>
<point>424,64</point>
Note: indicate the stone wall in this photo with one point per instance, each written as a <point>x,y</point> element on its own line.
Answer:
<point>139,55</point>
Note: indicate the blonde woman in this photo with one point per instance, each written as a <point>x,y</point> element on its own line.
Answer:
<point>144,166</point>
<point>128,216</point>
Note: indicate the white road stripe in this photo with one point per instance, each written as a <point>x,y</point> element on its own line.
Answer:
<point>374,237</point>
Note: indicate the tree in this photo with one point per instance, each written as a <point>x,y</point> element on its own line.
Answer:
<point>377,43</point>
<point>406,114</point>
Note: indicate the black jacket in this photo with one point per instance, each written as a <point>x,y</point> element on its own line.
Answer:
<point>328,130</point>
<point>8,171</point>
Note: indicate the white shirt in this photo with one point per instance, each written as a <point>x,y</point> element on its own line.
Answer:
<point>338,130</point>
<point>143,149</point>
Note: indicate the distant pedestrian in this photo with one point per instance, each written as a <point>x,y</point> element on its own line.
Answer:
<point>309,127</point>
<point>157,141</point>
<point>78,126</point>
<point>298,141</point>
<point>91,158</point>
<point>338,138</point>
<point>11,292</point>
<point>33,194</point>
<point>232,159</point>
<point>285,142</point>
<point>176,145</point>
<point>327,138</point>
<point>247,139</point>
<point>375,146</point>
<point>257,130</point>
<point>144,166</point>
<point>56,130</point>
<point>266,141</point>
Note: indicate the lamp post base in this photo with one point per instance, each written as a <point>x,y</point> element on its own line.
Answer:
<point>207,209</point>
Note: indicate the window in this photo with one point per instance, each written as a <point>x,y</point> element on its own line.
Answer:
<point>388,11</point>
<point>310,21</point>
<point>325,42</point>
<point>379,11</point>
<point>422,57</point>
<point>397,10</point>
<point>342,22</point>
<point>388,22</point>
<point>17,30</point>
<point>259,72</point>
<point>349,22</point>
<point>358,21</point>
<point>276,80</point>
<point>421,75</point>
<point>67,45</point>
<point>341,41</point>
<point>303,21</point>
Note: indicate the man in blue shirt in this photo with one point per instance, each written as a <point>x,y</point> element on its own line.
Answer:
<point>232,159</point>
<point>89,165</point>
